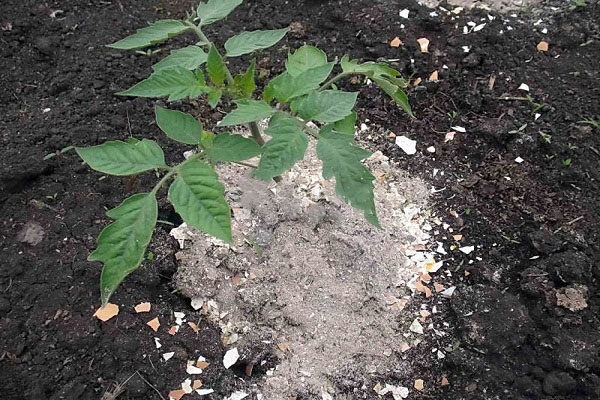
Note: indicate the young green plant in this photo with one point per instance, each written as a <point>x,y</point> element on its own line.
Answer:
<point>303,93</point>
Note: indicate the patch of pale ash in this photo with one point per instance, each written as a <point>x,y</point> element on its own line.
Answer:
<point>308,281</point>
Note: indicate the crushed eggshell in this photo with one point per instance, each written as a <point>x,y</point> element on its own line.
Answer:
<point>542,46</point>
<point>398,392</point>
<point>396,42</point>
<point>186,386</point>
<point>197,303</point>
<point>524,87</point>
<point>417,81</point>
<point>433,267</point>
<point>107,312</point>
<point>434,76</point>
<point>197,384</point>
<point>445,381</point>
<point>284,346</point>
<point>409,146</point>
<point>237,395</point>
<point>419,384</point>
<point>231,357</point>
<point>458,238</point>
<point>204,392</point>
<point>416,327</point>
<point>157,343</point>
<point>423,289</point>
<point>438,288</point>
<point>154,324</point>
<point>191,369</point>
<point>467,249</point>
<point>173,330</point>
<point>168,356</point>
<point>424,44</point>
<point>404,13</point>
<point>459,129</point>
<point>202,364</point>
<point>404,347</point>
<point>449,136</point>
<point>449,292</point>
<point>176,394</point>
<point>143,307</point>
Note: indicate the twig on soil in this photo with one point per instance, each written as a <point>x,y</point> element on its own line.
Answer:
<point>118,389</point>
<point>9,285</point>
<point>149,384</point>
<point>513,98</point>
<point>152,364</point>
<point>569,223</point>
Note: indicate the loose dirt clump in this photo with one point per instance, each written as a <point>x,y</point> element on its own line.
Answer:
<point>307,276</point>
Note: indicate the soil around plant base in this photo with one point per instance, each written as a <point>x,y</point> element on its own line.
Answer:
<point>523,321</point>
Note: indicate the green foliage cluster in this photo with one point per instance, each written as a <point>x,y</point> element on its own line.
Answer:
<point>304,92</point>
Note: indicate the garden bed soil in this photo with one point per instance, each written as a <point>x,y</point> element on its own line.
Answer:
<point>524,320</point>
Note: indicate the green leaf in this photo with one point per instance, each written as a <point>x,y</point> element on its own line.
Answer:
<point>190,57</point>
<point>228,147</point>
<point>325,106</point>
<point>286,87</point>
<point>353,181</point>
<point>345,125</point>
<point>370,69</point>
<point>122,158</point>
<point>395,93</point>
<point>215,66</point>
<point>178,126</point>
<point>247,111</point>
<point>199,198</point>
<point>247,42</point>
<point>384,76</point>
<point>287,146</point>
<point>153,34</point>
<point>215,10</point>
<point>214,96</point>
<point>121,245</point>
<point>305,58</point>
<point>176,83</point>
<point>245,83</point>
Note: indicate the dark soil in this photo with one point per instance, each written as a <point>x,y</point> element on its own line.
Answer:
<point>514,341</point>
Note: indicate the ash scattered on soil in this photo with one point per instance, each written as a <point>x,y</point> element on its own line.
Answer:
<point>308,282</point>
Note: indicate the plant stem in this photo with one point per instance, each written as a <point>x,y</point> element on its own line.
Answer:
<point>256,134</point>
<point>164,179</point>
<point>199,33</point>
<point>332,81</point>
<point>254,128</point>
<point>245,164</point>
<point>173,171</point>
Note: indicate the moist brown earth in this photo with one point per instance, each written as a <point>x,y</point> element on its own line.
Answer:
<point>537,233</point>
